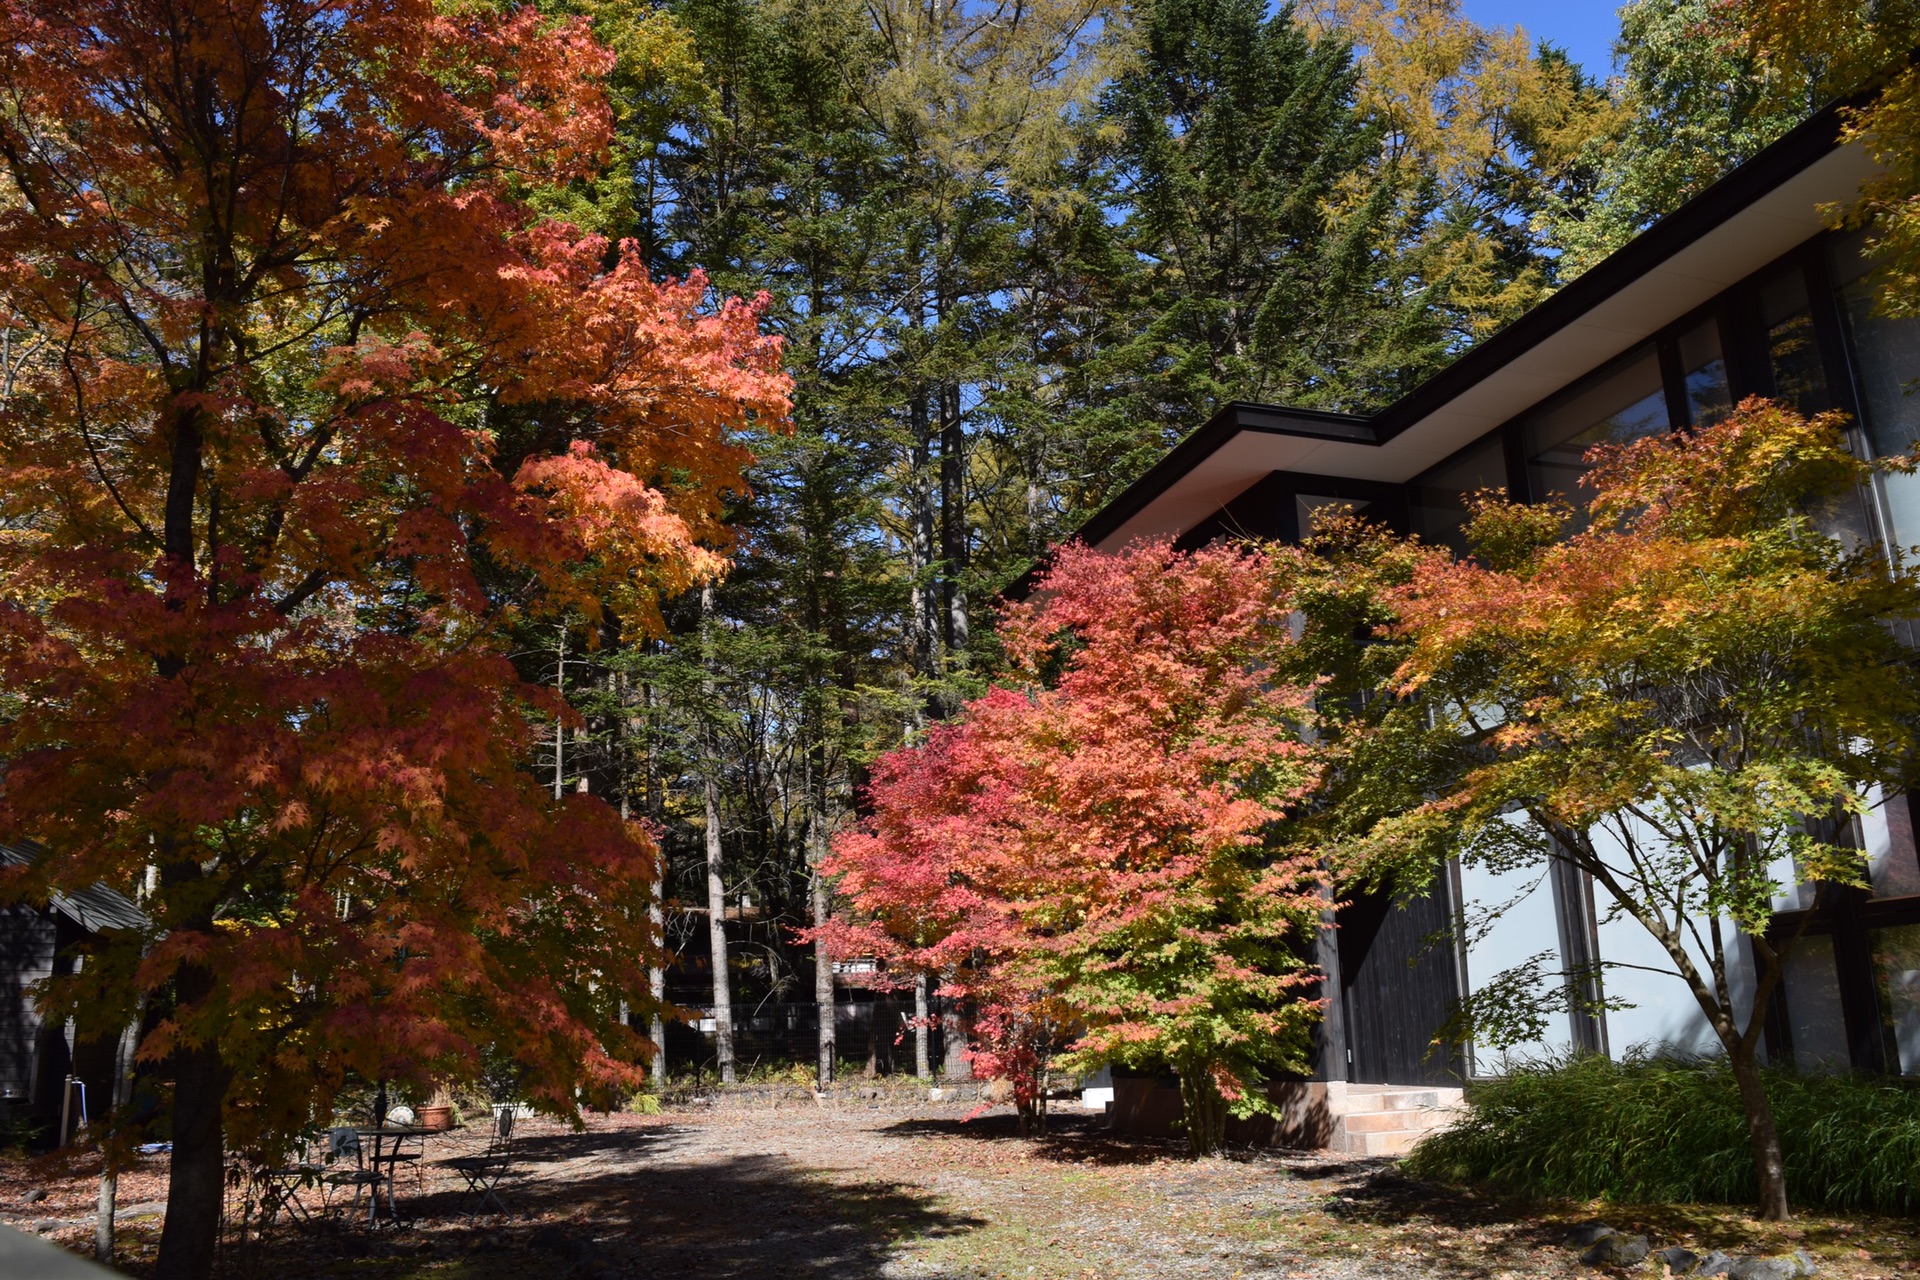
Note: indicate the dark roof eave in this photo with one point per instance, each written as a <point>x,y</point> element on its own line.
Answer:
<point>1792,152</point>
<point>1234,418</point>
<point>1230,421</point>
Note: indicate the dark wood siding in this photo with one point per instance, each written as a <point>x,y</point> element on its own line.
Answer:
<point>26,956</point>
<point>1398,983</point>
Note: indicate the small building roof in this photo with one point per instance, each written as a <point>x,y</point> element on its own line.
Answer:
<point>94,909</point>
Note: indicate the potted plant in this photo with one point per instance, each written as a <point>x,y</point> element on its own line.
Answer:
<point>438,1112</point>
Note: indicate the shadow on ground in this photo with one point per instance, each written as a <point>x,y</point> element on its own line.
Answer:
<point>1465,1229</point>
<point>1459,1228</point>
<point>1070,1139</point>
<point>593,1206</point>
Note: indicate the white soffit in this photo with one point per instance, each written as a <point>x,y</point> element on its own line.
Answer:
<point>1786,216</point>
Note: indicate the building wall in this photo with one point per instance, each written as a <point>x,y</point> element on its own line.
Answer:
<point>26,956</point>
<point>1801,329</point>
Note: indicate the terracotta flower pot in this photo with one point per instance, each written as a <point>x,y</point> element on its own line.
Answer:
<point>436,1117</point>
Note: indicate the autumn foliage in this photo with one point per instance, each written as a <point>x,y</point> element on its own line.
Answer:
<point>304,405</point>
<point>1092,858</point>
<point>1687,703</point>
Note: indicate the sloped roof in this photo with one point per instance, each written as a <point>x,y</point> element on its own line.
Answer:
<point>94,909</point>
<point>1752,215</point>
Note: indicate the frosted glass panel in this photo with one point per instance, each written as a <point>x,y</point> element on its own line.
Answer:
<point>1635,968</point>
<point>1510,918</point>
<point>1887,835</point>
<point>1896,970</point>
<point>1886,361</point>
<point>1812,989</point>
<point>1309,507</point>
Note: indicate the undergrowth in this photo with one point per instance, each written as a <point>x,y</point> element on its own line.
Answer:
<point>1649,1130</point>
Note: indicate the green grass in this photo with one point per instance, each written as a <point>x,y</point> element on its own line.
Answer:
<point>1658,1130</point>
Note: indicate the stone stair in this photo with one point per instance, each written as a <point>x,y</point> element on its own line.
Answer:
<point>1387,1119</point>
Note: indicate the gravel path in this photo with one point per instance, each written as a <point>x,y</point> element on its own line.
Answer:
<point>874,1191</point>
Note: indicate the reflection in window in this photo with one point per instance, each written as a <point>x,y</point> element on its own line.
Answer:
<point>1621,405</point>
<point>1703,369</point>
<point>1886,833</point>
<point>1310,507</point>
<point>1886,360</point>
<point>1509,917</point>
<point>1437,501</point>
<point>1896,971</point>
<point>1792,352</point>
<point>1812,988</point>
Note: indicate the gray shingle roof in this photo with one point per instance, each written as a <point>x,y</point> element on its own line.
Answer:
<point>93,909</point>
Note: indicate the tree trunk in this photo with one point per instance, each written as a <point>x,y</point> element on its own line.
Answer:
<point>121,1093</point>
<point>655,803</point>
<point>1769,1166</point>
<point>196,1186</point>
<point>953,1034</point>
<point>923,626</point>
<point>559,721</point>
<point>657,978</point>
<point>922,1016</point>
<point>823,983</point>
<point>717,940</point>
<point>953,525</point>
<point>1203,1112</point>
<point>103,1217</point>
<point>716,881</point>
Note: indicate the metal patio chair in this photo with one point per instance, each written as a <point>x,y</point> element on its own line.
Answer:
<point>483,1173</point>
<point>280,1186</point>
<point>344,1143</point>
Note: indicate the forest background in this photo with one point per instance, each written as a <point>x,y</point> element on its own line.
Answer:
<point>1016,251</point>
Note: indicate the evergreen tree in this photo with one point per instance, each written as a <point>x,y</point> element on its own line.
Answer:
<point>1236,131</point>
<point>1014,252</point>
<point>1688,106</point>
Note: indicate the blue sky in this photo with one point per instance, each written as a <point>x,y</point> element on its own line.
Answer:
<point>1584,28</point>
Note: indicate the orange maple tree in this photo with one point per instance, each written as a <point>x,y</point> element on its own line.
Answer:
<point>1095,860</point>
<point>302,405</point>
<point>1689,703</point>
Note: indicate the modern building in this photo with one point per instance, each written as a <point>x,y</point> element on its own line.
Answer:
<point>1743,291</point>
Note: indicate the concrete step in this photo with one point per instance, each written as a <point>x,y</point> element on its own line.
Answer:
<point>1385,1120</point>
<point>1408,1100</point>
<point>1395,1121</point>
<point>1376,1144</point>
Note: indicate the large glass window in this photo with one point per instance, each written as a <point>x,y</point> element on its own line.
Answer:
<point>1886,831</point>
<point>1811,983</point>
<point>1510,918</point>
<point>1308,508</point>
<point>1896,972</point>
<point>1703,372</point>
<point>1656,1009</point>
<point>1886,367</point>
<point>1622,404</point>
<point>1793,352</point>
<point>1437,501</point>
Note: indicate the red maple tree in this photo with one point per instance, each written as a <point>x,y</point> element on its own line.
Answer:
<point>1100,858</point>
<point>303,404</point>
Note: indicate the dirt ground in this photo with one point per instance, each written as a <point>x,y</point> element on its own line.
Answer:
<point>869,1191</point>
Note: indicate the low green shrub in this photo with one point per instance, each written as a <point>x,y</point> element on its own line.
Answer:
<point>1647,1130</point>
